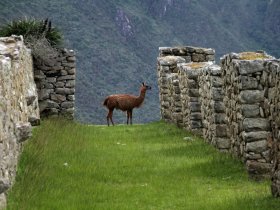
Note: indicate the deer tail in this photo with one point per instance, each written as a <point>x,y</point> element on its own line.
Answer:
<point>105,102</point>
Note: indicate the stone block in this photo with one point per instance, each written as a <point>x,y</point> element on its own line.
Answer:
<point>71,71</point>
<point>57,97</point>
<point>198,57</point>
<point>256,146</point>
<point>70,84</point>
<point>193,92</point>
<point>217,81</point>
<point>71,97</point>
<point>71,58</point>
<point>195,106</point>
<point>47,104</point>
<point>67,104</point>
<point>248,83</point>
<point>69,64</point>
<point>192,84</point>
<point>170,60</point>
<point>251,96</point>
<point>258,170</point>
<point>195,116</point>
<point>4,185</point>
<point>30,99</point>
<point>249,67</point>
<point>221,130</point>
<point>195,124</point>
<point>59,84</point>
<point>44,94</point>
<point>217,94</point>
<point>256,124</point>
<point>250,110</point>
<point>210,58</point>
<point>222,143</point>
<point>34,120</point>
<point>65,91</point>
<point>219,118</point>
<point>67,77</point>
<point>23,131</point>
<point>218,106</point>
<point>255,135</point>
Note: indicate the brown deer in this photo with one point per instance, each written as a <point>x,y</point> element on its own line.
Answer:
<point>125,102</point>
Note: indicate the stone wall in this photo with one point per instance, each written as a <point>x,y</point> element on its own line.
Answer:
<point>18,106</point>
<point>190,97</point>
<point>212,107</point>
<point>273,80</point>
<point>246,90</point>
<point>23,101</point>
<point>55,80</point>
<point>175,105</point>
<point>170,91</point>
<point>237,104</point>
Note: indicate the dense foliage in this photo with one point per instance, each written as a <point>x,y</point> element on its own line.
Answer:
<point>117,41</point>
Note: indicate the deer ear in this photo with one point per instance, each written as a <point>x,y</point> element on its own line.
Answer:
<point>143,83</point>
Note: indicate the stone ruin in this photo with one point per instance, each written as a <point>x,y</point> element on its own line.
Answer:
<point>246,87</point>
<point>18,107</point>
<point>173,97</point>
<point>212,107</point>
<point>55,81</point>
<point>234,106</point>
<point>29,89</point>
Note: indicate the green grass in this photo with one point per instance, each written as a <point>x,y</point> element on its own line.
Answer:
<point>67,165</point>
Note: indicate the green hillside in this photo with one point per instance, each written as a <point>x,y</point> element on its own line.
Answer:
<point>117,41</point>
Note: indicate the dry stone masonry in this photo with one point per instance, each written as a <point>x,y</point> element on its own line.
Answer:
<point>190,97</point>
<point>236,105</point>
<point>246,88</point>
<point>29,88</point>
<point>212,107</point>
<point>273,80</point>
<point>169,61</point>
<point>55,80</point>
<point>167,72</point>
<point>18,107</point>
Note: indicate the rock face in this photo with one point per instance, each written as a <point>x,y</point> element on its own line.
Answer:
<point>235,105</point>
<point>55,81</point>
<point>18,106</point>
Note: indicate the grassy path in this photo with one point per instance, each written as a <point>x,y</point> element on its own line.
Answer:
<point>71,166</point>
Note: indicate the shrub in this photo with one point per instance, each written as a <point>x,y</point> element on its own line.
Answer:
<point>39,35</point>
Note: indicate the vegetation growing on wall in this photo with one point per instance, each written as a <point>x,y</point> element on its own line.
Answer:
<point>39,35</point>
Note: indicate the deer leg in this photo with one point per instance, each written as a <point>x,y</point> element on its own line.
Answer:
<point>110,117</point>
<point>130,117</point>
<point>127,117</point>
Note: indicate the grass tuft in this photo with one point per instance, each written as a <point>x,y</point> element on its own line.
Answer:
<point>252,56</point>
<point>66,165</point>
<point>197,65</point>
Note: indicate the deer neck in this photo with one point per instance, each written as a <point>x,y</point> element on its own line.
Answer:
<point>141,97</point>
